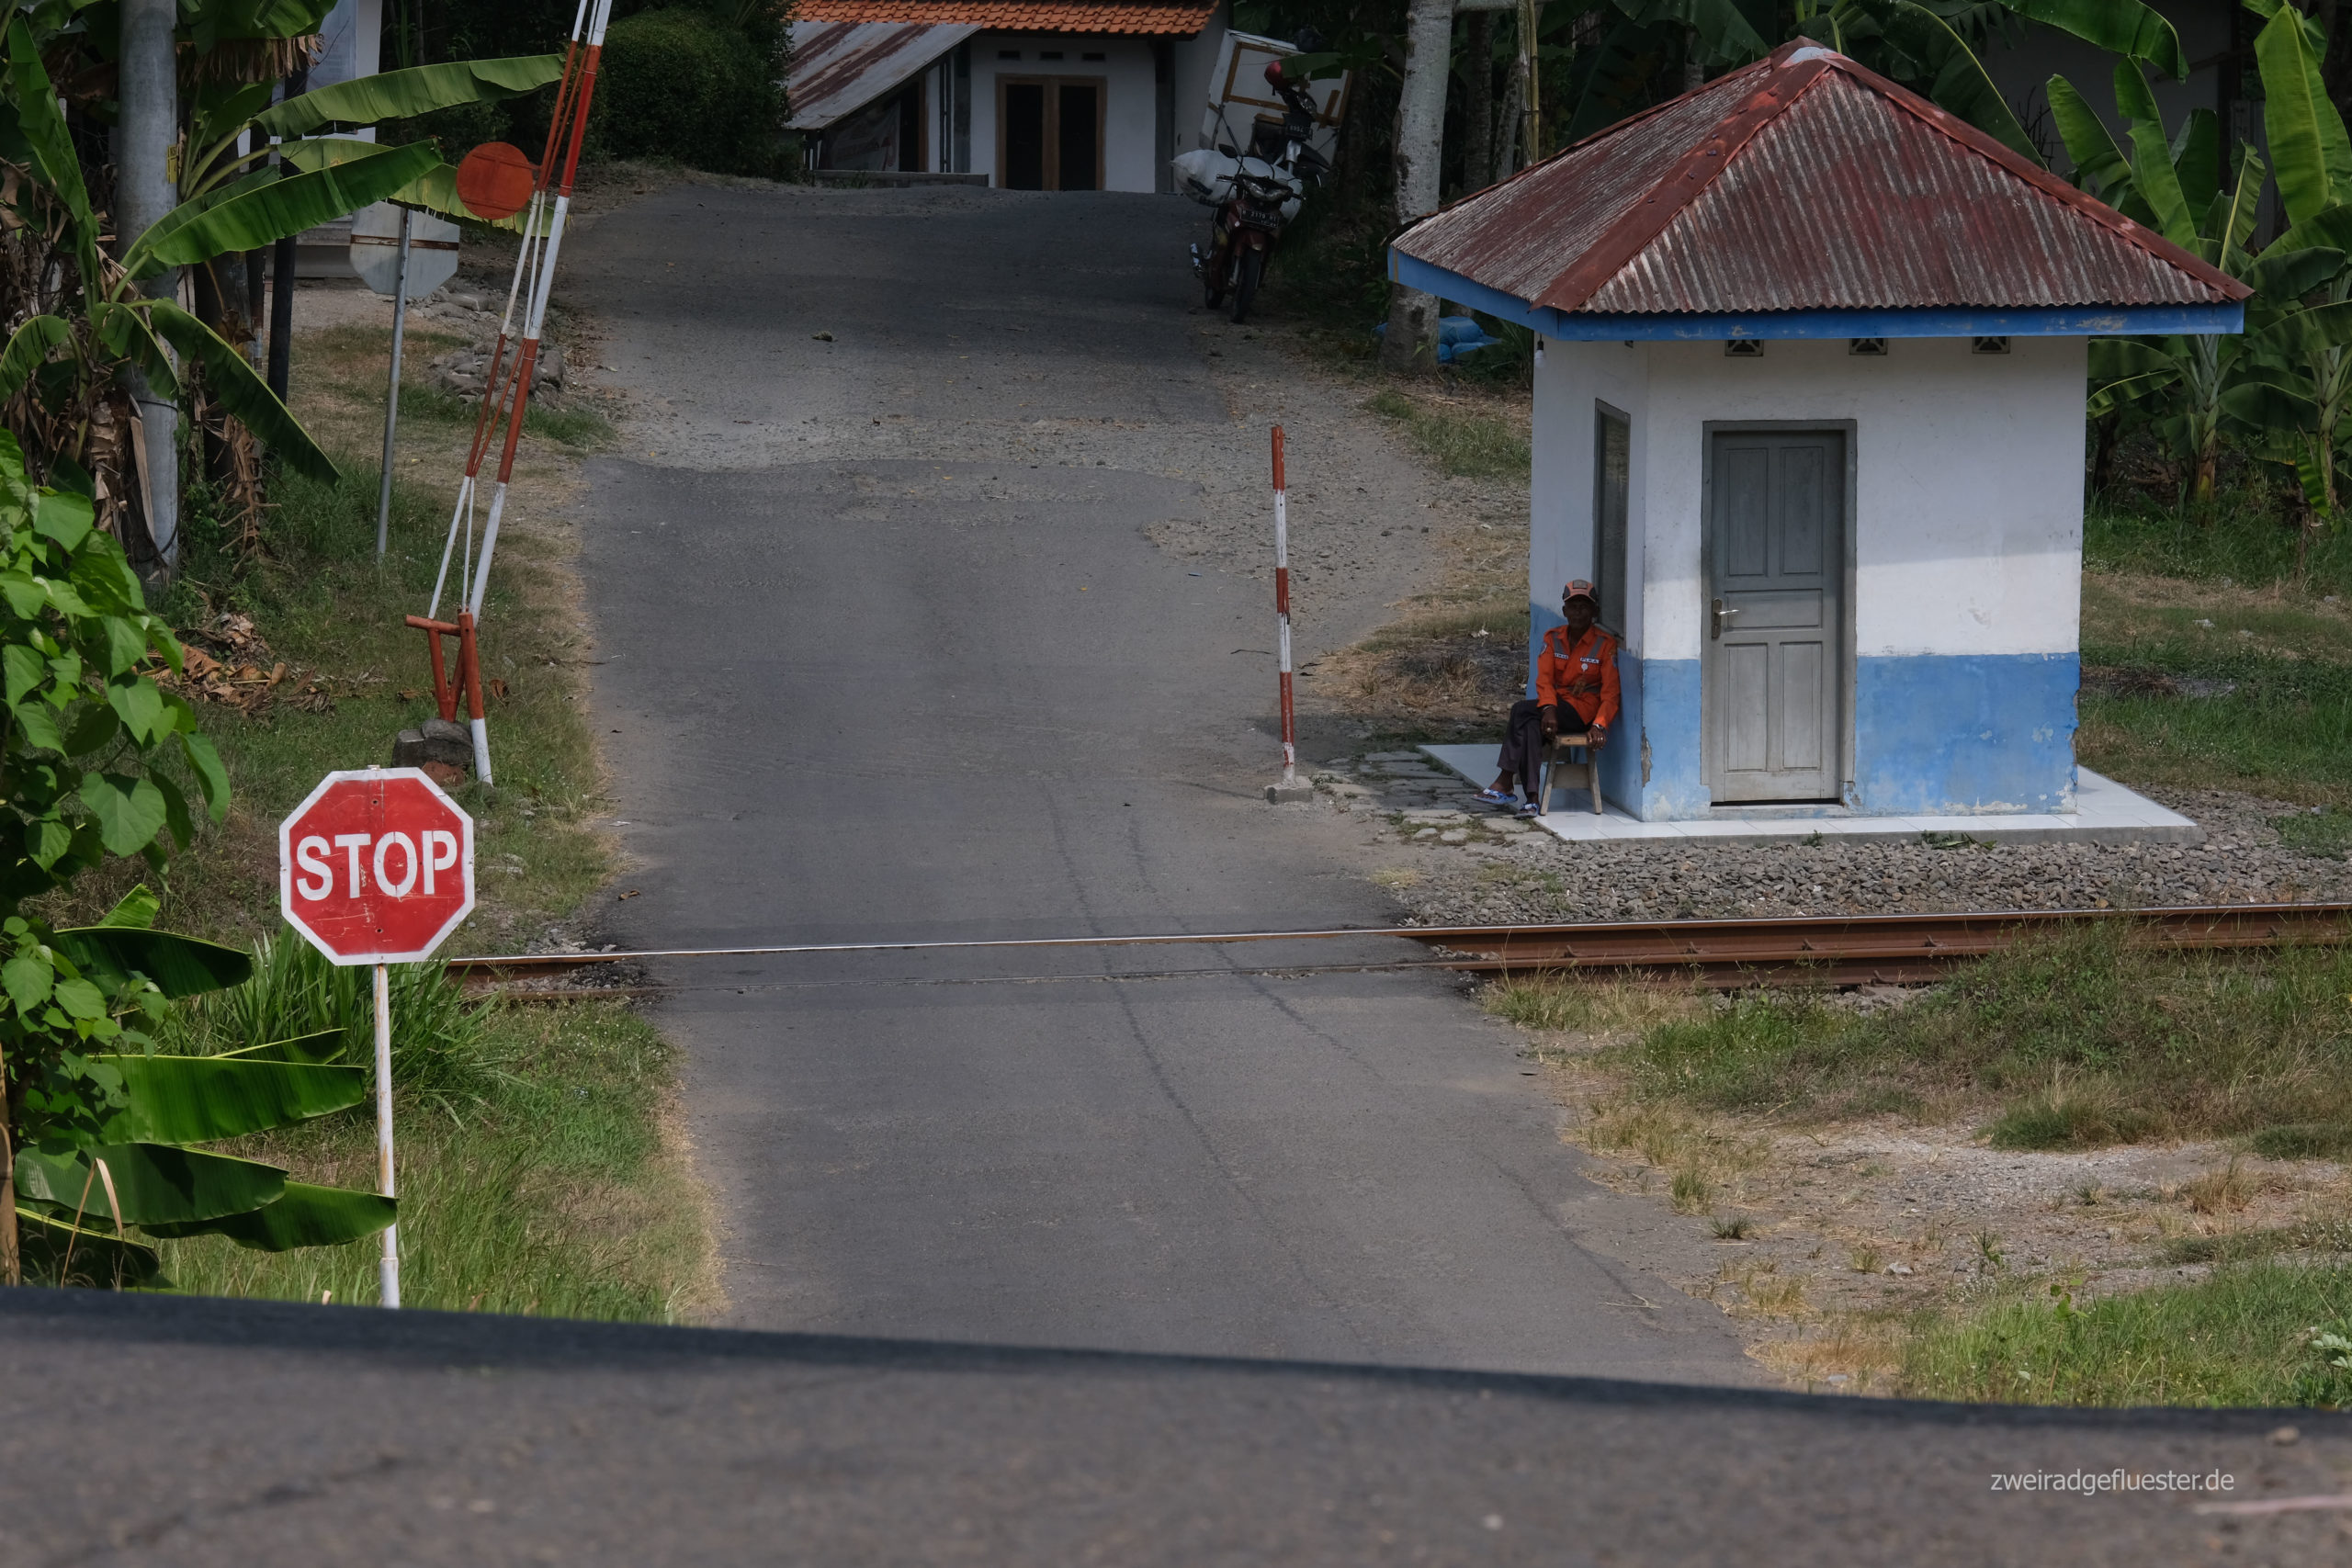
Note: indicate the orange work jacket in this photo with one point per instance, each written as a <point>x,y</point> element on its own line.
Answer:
<point>1579,676</point>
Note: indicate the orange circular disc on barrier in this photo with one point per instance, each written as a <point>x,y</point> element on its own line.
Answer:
<point>495,180</point>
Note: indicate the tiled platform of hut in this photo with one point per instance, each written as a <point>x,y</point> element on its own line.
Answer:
<point>2105,813</point>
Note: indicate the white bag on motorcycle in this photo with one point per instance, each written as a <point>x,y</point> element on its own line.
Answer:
<point>1205,174</point>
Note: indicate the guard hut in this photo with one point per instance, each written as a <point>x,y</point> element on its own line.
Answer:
<point>1809,410</point>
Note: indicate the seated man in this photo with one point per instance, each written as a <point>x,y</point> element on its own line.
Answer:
<point>1578,673</point>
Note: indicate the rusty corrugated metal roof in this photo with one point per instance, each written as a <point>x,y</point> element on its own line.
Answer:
<point>1803,182</point>
<point>838,68</point>
<point>1098,16</point>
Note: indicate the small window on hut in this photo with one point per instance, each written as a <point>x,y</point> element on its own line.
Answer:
<point>1744,348</point>
<point>1990,345</point>
<point>1869,347</point>
<point>1612,463</point>
<point>1094,54</point>
<point>1008,54</point>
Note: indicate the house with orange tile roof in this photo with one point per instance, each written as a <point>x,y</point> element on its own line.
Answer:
<point>1033,95</point>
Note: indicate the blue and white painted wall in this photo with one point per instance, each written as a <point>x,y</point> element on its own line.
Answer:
<point>1965,556</point>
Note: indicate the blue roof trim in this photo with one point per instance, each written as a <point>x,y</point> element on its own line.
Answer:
<point>2072,320</point>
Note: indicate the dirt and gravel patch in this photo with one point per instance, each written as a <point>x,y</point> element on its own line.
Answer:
<point>1824,1242</point>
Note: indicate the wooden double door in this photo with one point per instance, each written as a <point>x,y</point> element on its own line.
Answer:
<point>1049,132</point>
<point>1774,666</point>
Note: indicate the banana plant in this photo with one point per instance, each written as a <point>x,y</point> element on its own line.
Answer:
<point>67,357</point>
<point>1931,46</point>
<point>2285,386</point>
<point>231,125</point>
<point>119,1157</point>
<point>98,1131</point>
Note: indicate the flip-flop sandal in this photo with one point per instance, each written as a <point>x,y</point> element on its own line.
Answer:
<point>1501,797</point>
<point>1527,809</point>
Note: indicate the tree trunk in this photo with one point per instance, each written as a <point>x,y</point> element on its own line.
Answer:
<point>2208,461</point>
<point>1478,100</point>
<point>1419,145</point>
<point>11,1268</point>
<point>1507,158</point>
<point>144,136</point>
<point>1694,63</point>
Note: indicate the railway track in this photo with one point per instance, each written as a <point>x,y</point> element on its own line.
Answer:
<point>1818,950</point>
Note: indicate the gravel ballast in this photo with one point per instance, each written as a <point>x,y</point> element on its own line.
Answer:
<point>1472,866</point>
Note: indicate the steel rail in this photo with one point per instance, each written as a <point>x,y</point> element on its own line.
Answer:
<point>1808,949</point>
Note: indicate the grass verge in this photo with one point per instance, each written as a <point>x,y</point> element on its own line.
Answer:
<point>2075,1042</point>
<point>552,1192</point>
<point>539,1166</point>
<point>1460,441</point>
<point>2263,1334</point>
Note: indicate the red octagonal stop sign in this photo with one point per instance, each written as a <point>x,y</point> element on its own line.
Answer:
<point>375,867</point>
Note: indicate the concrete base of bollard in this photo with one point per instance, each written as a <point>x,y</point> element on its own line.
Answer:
<point>1290,794</point>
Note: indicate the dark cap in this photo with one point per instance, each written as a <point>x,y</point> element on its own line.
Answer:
<point>1579,588</point>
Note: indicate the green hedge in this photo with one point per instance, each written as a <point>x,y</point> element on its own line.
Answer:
<point>682,82</point>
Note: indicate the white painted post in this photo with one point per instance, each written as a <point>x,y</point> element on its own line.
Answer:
<point>391,1265</point>
<point>1282,614</point>
<point>392,395</point>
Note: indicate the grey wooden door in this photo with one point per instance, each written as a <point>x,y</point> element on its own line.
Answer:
<point>1776,564</point>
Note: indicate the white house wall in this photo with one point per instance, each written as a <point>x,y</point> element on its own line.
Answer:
<point>1129,161</point>
<point>1965,593</point>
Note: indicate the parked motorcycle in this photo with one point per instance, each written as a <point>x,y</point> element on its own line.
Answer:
<point>1255,192</point>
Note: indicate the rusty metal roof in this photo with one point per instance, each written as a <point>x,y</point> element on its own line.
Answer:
<point>838,68</point>
<point>1803,182</point>
<point>1154,17</point>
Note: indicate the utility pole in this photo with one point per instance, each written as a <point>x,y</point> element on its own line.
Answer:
<point>144,136</point>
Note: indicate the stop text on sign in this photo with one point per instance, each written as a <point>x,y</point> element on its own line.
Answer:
<point>375,867</point>
<point>315,879</point>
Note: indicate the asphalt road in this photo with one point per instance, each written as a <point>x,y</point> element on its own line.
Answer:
<point>865,712</point>
<point>226,1435</point>
<point>961,696</point>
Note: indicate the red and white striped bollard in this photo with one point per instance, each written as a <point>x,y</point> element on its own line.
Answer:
<point>1289,788</point>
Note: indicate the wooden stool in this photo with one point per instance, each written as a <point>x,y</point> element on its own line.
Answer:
<point>1555,755</point>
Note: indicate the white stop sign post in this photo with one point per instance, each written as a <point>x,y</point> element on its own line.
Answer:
<point>406,254</point>
<point>377,867</point>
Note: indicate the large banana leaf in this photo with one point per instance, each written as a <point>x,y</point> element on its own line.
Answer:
<point>52,146</point>
<point>311,1050</point>
<point>214,20</point>
<point>260,212</point>
<point>305,1216</point>
<point>1961,83</point>
<point>2308,144</point>
<point>158,1183</point>
<point>230,378</point>
<point>2100,164</point>
<point>2126,27</point>
<point>2228,223</point>
<point>2285,276</point>
<point>179,965</point>
<point>1724,32</point>
<point>43,1245</point>
<point>2197,158</point>
<point>28,348</point>
<point>393,94</point>
<point>193,1100</point>
<point>435,190</point>
<point>2152,168</point>
<point>2307,331</point>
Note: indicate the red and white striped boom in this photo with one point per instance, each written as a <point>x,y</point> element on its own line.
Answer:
<point>507,391</point>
